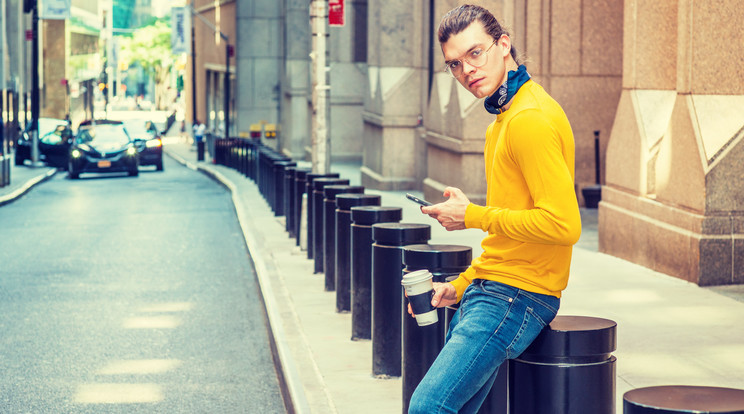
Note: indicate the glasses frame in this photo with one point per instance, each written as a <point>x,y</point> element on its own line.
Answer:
<point>464,59</point>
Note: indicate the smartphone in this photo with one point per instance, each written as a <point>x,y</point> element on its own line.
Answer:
<point>417,200</point>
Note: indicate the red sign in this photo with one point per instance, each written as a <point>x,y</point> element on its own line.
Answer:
<point>29,35</point>
<point>335,12</point>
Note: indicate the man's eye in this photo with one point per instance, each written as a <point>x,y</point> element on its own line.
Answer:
<point>454,65</point>
<point>476,53</point>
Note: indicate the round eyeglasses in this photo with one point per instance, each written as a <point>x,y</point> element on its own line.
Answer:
<point>476,57</point>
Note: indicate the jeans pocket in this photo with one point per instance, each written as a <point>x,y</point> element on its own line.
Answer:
<point>497,290</point>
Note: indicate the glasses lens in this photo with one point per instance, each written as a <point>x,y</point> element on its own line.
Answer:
<point>454,69</point>
<point>478,59</point>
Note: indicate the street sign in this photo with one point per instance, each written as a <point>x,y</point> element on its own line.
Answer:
<point>336,12</point>
<point>181,31</point>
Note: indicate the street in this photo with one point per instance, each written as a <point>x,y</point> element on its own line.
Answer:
<point>131,294</point>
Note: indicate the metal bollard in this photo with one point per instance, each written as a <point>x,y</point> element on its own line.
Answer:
<point>200,150</point>
<point>289,174</point>
<point>273,167</point>
<point>568,369</point>
<point>671,399</point>
<point>279,173</point>
<point>387,271</point>
<point>309,178</point>
<point>344,203</point>
<point>361,264</point>
<point>421,344</point>
<point>329,229</point>
<point>299,190</point>
<point>318,196</point>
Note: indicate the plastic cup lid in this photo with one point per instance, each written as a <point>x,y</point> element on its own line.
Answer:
<point>416,277</point>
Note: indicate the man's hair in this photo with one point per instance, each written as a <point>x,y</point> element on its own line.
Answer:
<point>459,18</point>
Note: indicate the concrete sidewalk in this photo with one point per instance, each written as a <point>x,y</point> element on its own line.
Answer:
<point>22,179</point>
<point>669,331</point>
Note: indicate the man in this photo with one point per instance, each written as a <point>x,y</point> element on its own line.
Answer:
<point>199,130</point>
<point>531,215</point>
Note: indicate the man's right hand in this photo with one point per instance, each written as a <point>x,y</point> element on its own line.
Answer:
<point>451,213</point>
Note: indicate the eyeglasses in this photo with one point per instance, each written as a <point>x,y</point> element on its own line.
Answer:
<point>476,57</point>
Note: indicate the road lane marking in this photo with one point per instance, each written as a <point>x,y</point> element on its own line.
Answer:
<point>118,394</point>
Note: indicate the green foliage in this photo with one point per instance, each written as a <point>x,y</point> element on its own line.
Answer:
<point>150,47</point>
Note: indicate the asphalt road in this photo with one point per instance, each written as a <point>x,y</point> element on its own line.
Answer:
<point>130,294</point>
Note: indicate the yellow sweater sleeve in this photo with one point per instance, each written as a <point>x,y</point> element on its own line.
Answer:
<point>535,146</point>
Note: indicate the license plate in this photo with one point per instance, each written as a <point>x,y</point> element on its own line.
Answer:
<point>104,164</point>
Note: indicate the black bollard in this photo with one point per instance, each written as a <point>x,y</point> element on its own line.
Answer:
<point>318,218</point>
<point>289,174</point>
<point>280,168</point>
<point>421,344</point>
<point>200,150</point>
<point>361,264</point>
<point>344,203</point>
<point>568,369</point>
<point>672,399</point>
<point>329,229</point>
<point>299,190</point>
<point>387,271</point>
<point>309,178</point>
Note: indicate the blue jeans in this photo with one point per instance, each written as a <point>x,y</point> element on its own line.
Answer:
<point>495,322</point>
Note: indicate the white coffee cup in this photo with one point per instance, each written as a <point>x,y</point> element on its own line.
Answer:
<point>420,289</point>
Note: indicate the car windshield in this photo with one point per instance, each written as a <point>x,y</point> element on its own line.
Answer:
<point>137,129</point>
<point>47,125</point>
<point>106,134</point>
<point>54,137</point>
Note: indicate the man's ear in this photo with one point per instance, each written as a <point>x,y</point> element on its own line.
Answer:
<point>505,44</point>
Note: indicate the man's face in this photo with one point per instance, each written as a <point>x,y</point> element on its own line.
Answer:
<point>480,81</point>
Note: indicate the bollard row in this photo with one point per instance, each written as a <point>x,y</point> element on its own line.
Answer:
<point>364,251</point>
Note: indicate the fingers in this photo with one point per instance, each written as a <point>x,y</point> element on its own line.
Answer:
<point>437,297</point>
<point>452,192</point>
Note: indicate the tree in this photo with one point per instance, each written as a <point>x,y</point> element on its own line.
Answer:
<point>150,47</point>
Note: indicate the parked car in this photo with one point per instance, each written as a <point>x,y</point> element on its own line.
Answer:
<point>148,142</point>
<point>55,138</point>
<point>102,146</point>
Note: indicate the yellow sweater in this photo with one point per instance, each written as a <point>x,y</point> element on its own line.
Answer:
<point>532,215</point>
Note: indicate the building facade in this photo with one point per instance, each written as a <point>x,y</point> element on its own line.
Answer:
<point>659,112</point>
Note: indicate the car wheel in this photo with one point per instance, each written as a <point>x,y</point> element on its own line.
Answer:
<point>159,165</point>
<point>71,172</point>
<point>134,172</point>
<point>18,160</point>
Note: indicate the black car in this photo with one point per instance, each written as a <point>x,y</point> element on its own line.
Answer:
<point>148,142</point>
<point>55,137</point>
<point>102,146</point>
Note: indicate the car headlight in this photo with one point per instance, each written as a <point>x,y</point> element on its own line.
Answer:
<point>153,143</point>
<point>76,153</point>
<point>131,151</point>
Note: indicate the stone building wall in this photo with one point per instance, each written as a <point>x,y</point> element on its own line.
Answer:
<point>673,198</point>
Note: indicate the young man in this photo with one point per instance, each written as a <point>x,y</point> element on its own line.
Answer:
<point>531,215</point>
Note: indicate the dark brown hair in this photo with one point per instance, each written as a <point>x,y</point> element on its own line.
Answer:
<point>459,18</point>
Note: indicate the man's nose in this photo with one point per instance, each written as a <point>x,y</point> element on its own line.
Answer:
<point>467,67</point>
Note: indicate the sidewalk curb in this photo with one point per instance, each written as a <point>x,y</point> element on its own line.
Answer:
<point>294,394</point>
<point>9,198</point>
